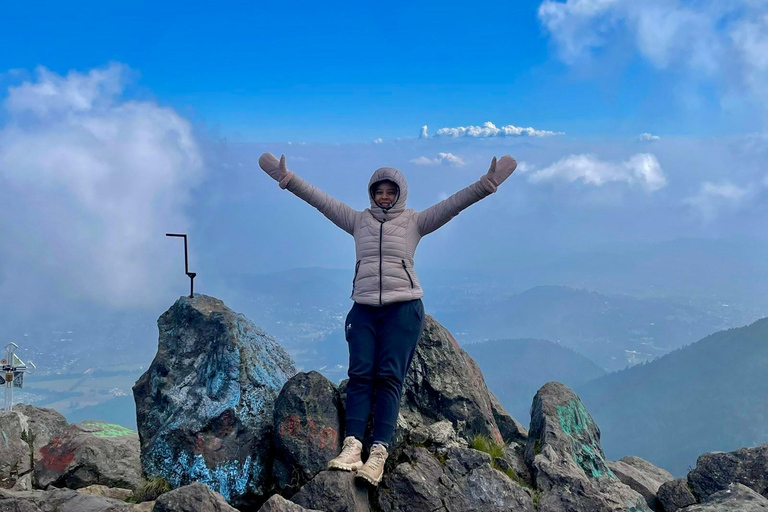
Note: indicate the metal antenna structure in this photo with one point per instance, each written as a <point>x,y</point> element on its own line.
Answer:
<point>13,370</point>
<point>186,264</point>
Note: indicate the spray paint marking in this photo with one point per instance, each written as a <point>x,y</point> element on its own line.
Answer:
<point>575,421</point>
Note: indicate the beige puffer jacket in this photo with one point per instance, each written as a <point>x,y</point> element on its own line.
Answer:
<point>386,239</point>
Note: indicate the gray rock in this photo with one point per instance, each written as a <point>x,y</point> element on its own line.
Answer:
<point>514,460</point>
<point>307,426</point>
<point>334,491</point>
<point>675,495</point>
<point>23,431</point>
<point>462,481</point>
<point>277,503</point>
<point>567,461</point>
<point>715,471</point>
<point>90,453</point>
<point>643,477</point>
<point>116,493</point>
<point>147,506</point>
<point>58,500</point>
<point>16,502</point>
<point>196,497</point>
<point>204,407</point>
<point>735,498</point>
<point>444,383</point>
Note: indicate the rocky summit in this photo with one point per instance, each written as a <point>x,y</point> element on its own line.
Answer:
<point>204,407</point>
<point>227,424</point>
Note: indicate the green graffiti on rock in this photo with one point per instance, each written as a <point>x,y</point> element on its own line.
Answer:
<point>107,429</point>
<point>575,421</point>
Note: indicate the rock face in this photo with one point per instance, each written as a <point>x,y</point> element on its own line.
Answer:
<point>204,407</point>
<point>195,497</point>
<point>90,453</point>
<point>334,491</point>
<point>567,460</point>
<point>735,498</point>
<point>462,481</point>
<point>715,471</point>
<point>23,431</point>
<point>444,383</point>
<point>279,504</point>
<point>643,477</point>
<point>675,495</point>
<point>307,428</point>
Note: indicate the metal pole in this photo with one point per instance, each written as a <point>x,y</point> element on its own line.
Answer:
<point>186,264</point>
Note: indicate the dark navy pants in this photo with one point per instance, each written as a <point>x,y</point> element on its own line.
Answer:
<point>382,341</point>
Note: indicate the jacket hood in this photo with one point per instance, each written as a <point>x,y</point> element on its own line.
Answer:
<point>392,174</point>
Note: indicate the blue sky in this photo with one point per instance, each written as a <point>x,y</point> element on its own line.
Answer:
<point>346,72</point>
<point>122,122</point>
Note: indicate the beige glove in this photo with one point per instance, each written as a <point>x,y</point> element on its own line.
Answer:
<point>275,169</point>
<point>501,170</point>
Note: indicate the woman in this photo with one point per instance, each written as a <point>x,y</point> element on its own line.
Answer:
<point>387,317</point>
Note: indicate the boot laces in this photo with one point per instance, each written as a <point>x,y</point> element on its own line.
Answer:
<point>377,457</point>
<point>349,447</point>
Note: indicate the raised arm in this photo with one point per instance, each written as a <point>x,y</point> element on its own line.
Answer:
<point>336,211</point>
<point>437,215</point>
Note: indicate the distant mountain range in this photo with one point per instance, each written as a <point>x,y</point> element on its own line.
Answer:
<point>515,369</point>
<point>711,395</point>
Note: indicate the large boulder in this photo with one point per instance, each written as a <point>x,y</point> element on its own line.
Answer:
<point>90,453</point>
<point>461,481</point>
<point>277,503</point>
<point>307,429</point>
<point>59,500</point>
<point>715,471</point>
<point>23,431</point>
<point>675,494</point>
<point>567,460</point>
<point>334,491</point>
<point>195,497</point>
<point>735,498</point>
<point>204,407</point>
<point>643,477</point>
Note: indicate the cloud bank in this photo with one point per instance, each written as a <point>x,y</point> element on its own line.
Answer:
<point>442,158</point>
<point>488,129</point>
<point>640,169</point>
<point>90,183</point>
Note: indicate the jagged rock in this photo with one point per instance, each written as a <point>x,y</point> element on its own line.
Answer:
<point>16,502</point>
<point>675,495</point>
<point>24,483</point>
<point>735,498</point>
<point>204,406</point>
<point>643,477</point>
<point>22,432</point>
<point>307,426</point>
<point>511,430</point>
<point>147,506</point>
<point>715,471</point>
<point>42,424</point>
<point>568,463</point>
<point>195,497</point>
<point>444,383</point>
<point>59,500</point>
<point>334,491</point>
<point>90,453</point>
<point>514,460</point>
<point>461,481</point>
<point>439,437</point>
<point>279,504</point>
<point>116,493</point>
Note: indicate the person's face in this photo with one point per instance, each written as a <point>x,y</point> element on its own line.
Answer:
<point>385,194</point>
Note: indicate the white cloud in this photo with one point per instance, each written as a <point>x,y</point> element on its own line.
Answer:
<point>448,158</point>
<point>712,197</point>
<point>726,42</point>
<point>89,185</point>
<point>423,132</point>
<point>488,129</point>
<point>378,141</point>
<point>641,169</point>
<point>647,137</point>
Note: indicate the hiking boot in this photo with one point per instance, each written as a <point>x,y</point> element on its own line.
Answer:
<point>373,470</point>
<point>349,458</point>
